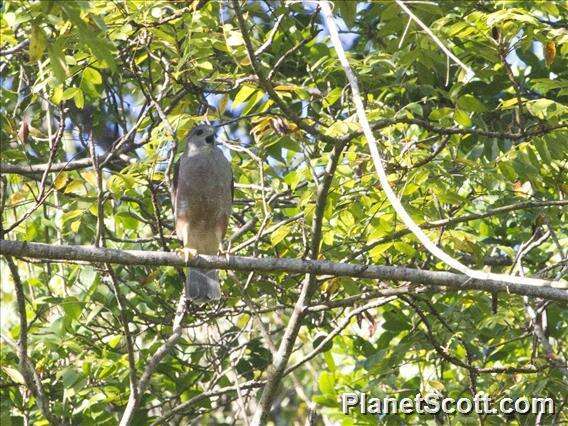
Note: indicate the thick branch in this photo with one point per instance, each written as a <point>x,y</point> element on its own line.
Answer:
<point>553,290</point>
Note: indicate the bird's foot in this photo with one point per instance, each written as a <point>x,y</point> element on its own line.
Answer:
<point>188,253</point>
<point>228,252</point>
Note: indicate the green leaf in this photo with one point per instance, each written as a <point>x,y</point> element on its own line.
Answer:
<point>243,95</point>
<point>326,383</point>
<point>92,76</point>
<point>127,220</point>
<point>72,307</point>
<point>70,215</point>
<point>546,109</point>
<point>438,114</point>
<point>253,100</point>
<point>332,97</point>
<point>347,10</point>
<point>533,158</point>
<point>206,65</point>
<point>14,374</point>
<point>347,218</point>
<point>507,170</point>
<point>70,377</point>
<point>541,147</point>
<point>279,234</point>
<point>470,103</point>
<point>395,321</point>
<point>462,118</point>
<point>69,93</point>
<point>325,401</point>
<point>114,340</point>
<point>38,41</point>
<point>57,61</point>
<point>293,179</point>
<point>101,48</point>
<point>545,85</point>
<point>556,144</point>
<point>79,99</point>
<point>376,252</point>
<point>57,95</point>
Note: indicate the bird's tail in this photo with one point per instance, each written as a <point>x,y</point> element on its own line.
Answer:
<point>202,285</point>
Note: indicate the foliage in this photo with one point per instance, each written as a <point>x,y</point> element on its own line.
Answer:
<point>132,78</point>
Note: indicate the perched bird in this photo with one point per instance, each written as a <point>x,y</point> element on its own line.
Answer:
<point>203,189</point>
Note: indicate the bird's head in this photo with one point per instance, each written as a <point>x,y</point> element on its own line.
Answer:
<point>201,136</point>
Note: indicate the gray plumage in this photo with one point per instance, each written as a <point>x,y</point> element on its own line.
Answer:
<point>203,188</point>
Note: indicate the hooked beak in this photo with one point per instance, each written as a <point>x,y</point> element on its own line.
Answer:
<point>210,139</point>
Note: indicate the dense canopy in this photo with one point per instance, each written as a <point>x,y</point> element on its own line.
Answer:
<point>468,103</point>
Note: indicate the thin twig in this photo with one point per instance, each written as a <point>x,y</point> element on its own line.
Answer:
<point>448,52</point>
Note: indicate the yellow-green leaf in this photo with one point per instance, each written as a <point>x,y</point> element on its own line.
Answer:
<point>14,374</point>
<point>243,95</point>
<point>280,234</point>
<point>75,225</point>
<point>79,99</point>
<point>57,61</point>
<point>90,176</point>
<point>75,187</point>
<point>38,41</point>
<point>60,181</point>
<point>376,252</point>
<point>92,76</point>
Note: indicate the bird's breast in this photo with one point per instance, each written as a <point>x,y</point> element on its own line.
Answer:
<point>204,186</point>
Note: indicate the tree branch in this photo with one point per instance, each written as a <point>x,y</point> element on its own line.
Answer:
<point>11,50</point>
<point>135,397</point>
<point>27,369</point>
<point>338,329</point>
<point>205,395</point>
<point>553,290</point>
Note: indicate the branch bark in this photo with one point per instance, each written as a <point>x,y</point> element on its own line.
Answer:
<point>135,397</point>
<point>27,368</point>
<point>18,47</point>
<point>552,290</point>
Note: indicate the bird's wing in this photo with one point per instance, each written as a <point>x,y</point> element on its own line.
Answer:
<point>232,187</point>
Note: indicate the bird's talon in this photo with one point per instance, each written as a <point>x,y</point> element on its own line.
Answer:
<point>189,253</point>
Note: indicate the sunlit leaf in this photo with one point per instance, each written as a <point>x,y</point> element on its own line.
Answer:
<point>38,42</point>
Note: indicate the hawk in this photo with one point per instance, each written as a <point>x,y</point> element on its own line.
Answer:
<point>203,190</point>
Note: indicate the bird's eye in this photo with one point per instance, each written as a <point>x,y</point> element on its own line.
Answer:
<point>199,132</point>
